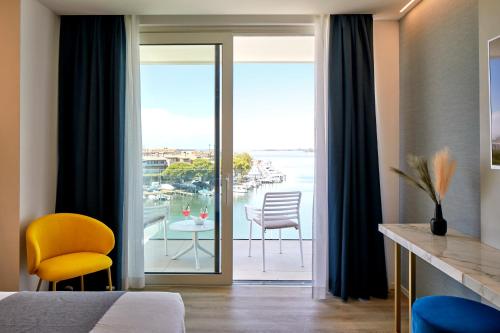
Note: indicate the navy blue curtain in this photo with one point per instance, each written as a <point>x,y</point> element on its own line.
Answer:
<point>356,248</point>
<point>91,126</point>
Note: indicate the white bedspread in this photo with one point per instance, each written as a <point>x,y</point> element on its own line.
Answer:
<point>141,312</point>
<point>4,294</point>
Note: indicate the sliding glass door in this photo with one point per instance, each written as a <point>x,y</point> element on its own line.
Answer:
<point>186,97</point>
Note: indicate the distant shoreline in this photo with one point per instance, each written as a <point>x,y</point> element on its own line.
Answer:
<point>308,150</point>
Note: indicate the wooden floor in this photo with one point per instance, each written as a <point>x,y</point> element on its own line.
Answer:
<point>244,308</point>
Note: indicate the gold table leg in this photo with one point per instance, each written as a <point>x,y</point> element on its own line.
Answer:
<point>411,285</point>
<point>397,288</point>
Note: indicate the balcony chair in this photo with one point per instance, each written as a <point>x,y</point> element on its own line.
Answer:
<point>64,246</point>
<point>156,214</point>
<point>279,210</point>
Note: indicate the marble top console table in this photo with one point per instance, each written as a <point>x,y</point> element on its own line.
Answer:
<point>464,258</point>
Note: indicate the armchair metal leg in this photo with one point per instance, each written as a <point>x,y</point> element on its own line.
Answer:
<point>82,284</point>
<point>54,285</point>
<point>39,284</point>
<point>110,283</point>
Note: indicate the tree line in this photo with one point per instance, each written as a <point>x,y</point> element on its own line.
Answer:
<point>203,169</point>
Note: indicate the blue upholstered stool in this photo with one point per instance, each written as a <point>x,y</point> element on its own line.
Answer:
<point>442,314</point>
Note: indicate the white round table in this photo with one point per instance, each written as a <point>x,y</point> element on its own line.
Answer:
<point>191,226</point>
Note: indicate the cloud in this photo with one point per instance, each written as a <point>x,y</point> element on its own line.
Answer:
<point>273,131</point>
<point>161,128</point>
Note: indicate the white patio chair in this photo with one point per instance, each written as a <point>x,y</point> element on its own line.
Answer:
<point>156,214</point>
<point>279,210</point>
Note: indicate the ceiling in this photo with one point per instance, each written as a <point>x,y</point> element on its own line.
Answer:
<point>383,9</point>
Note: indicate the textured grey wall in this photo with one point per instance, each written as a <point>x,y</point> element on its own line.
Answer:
<point>489,27</point>
<point>439,87</point>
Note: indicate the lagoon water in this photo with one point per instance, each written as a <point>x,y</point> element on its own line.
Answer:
<point>298,166</point>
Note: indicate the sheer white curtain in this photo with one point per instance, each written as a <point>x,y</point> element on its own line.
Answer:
<point>320,206</point>
<point>133,270</point>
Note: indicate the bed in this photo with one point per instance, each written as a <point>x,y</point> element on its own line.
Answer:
<point>98,312</point>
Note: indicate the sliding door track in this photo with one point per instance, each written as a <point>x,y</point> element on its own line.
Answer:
<point>296,283</point>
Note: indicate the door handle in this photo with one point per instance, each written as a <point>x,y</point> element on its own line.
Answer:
<point>226,189</point>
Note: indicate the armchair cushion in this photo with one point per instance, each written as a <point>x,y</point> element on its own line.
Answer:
<point>68,266</point>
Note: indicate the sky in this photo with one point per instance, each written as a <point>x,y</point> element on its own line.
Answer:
<point>273,106</point>
<point>495,97</point>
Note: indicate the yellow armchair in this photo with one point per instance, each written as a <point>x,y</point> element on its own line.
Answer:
<point>64,246</point>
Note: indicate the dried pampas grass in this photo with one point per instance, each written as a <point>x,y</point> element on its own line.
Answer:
<point>422,178</point>
<point>444,168</point>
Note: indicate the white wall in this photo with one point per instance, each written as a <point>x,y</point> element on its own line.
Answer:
<point>38,124</point>
<point>386,62</point>
<point>489,27</point>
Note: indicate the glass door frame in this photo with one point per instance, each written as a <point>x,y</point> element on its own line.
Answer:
<point>225,277</point>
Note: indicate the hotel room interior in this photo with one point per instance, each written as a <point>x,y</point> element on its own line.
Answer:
<point>250,166</point>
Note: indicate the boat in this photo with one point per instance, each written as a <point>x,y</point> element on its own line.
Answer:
<point>167,187</point>
<point>248,185</point>
<point>267,180</point>
<point>239,189</point>
<point>206,192</point>
<point>163,197</point>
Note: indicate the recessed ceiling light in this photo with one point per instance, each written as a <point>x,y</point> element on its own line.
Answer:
<point>406,6</point>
